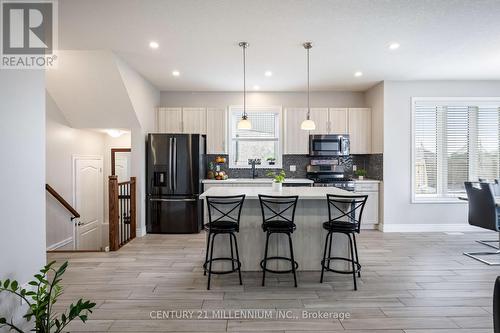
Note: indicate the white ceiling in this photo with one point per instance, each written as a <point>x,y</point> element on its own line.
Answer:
<point>440,39</point>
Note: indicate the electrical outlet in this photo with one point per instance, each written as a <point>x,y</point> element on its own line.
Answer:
<point>354,167</point>
<point>293,168</point>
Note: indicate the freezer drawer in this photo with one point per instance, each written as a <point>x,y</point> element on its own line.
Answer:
<point>174,215</point>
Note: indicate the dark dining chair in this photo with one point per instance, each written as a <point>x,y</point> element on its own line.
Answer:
<point>483,213</point>
<point>496,306</point>
<point>344,217</point>
<point>224,213</point>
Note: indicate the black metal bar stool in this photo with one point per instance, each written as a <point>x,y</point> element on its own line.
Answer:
<point>348,211</point>
<point>278,213</point>
<point>224,218</point>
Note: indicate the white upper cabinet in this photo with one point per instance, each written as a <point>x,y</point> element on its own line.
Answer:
<point>338,121</point>
<point>216,131</point>
<point>296,139</point>
<point>360,130</point>
<point>194,120</point>
<point>320,117</point>
<point>169,120</point>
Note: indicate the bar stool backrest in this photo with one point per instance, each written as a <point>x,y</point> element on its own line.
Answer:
<point>482,208</point>
<point>346,209</point>
<point>225,209</point>
<point>278,208</point>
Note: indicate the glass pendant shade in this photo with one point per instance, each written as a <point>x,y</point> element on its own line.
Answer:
<point>308,125</point>
<point>244,123</point>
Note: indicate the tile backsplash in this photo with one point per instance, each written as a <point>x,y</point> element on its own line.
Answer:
<point>372,163</point>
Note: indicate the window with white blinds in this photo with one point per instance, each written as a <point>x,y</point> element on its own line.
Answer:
<point>453,142</point>
<point>261,142</point>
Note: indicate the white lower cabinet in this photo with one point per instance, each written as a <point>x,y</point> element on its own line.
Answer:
<point>370,214</point>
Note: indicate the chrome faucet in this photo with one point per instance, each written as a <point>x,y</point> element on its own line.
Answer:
<point>253,162</point>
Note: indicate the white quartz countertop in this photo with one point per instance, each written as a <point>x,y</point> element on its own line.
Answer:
<point>306,192</point>
<point>366,181</point>
<point>256,181</point>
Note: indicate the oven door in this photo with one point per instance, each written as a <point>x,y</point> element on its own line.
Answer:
<point>328,145</point>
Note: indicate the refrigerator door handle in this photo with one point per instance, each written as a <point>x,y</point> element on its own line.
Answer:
<point>170,164</point>
<point>175,200</point>
<point>174,167</point>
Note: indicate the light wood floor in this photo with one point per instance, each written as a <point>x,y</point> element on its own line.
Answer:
<point>414,282</point>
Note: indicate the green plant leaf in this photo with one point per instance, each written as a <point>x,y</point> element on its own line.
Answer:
<point>14,285</point>
<point>6,283</point>
<point>3,320</point>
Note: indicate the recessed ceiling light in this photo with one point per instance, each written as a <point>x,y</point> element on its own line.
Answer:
<point>268,73</point>
<point>358,74</point>
<point>394,46</point>
<point>154,45</point>
<point>256,87</point>
<point>176,73</point>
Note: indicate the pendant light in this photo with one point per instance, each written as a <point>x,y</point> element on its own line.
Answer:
<point>244,123</point>
<point>308,124</point>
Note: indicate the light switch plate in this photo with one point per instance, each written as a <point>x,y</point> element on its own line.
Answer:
<point>354,167</point>
<point>293,168</point>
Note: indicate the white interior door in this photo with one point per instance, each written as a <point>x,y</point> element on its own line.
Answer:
<point>122,166</point>
<point>88,201</point>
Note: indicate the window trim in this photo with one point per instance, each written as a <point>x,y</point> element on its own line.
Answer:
<point>465,101</point>
<point>256,109</point>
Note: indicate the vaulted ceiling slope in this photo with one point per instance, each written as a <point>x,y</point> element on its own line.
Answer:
<point>96,89</point>
<point>445,39</point>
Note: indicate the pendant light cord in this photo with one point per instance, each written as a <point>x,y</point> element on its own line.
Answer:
<point>308,89</point>
<point>244,83</point>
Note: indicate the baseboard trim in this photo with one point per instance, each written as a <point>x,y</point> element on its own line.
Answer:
<point>60,244</point>
<point>427,227</point>
<point>140,232</point>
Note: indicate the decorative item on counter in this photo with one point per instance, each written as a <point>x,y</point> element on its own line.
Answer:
<point>221,175</point>
<point>271,160</point>
<point>278,179</point>
<point>220,160</point>
<point>211,171</point>
<point>361,173</point>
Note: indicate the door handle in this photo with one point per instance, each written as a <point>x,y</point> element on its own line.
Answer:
<point>170,164</point>
<point>174,200</point>
<point>80,224</point>
<point>175,164</point>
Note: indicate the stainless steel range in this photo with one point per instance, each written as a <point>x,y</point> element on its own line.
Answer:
<point>326,173</point>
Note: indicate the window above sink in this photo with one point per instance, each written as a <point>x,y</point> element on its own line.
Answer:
<point>263,141</point>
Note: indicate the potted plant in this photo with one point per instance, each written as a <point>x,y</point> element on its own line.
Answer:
<point>271,160</point>
<point>40,298</point>
<point>361,173</point>
<point>278,179</point>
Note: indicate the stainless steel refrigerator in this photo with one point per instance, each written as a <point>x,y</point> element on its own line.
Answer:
<point>175,169</point>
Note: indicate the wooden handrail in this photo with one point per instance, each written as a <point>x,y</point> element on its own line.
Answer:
<point>62,201</point>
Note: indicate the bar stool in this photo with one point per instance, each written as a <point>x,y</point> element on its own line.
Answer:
<point>224,218</point>
<point>278,213</point>
<point>348,222</point>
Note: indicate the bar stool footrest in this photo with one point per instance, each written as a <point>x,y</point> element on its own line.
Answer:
<point>280,271</point>
<point>358,266</point>
<point>236,268</point>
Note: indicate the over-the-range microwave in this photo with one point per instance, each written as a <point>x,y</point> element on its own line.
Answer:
<point>329,145</point>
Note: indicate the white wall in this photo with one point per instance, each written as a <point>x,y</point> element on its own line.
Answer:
<point>22,194</point>
<point>62,142</point>
<point>286,99</point>
<point>374,99</point>
<point>144,98</point>
<point>398,209</point>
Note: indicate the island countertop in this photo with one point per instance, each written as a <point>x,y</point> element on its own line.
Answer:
<point>311,193</point>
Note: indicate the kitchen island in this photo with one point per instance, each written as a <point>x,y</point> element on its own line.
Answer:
<point>308,239</point>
